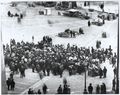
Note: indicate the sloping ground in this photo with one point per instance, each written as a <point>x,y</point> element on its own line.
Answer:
<point>76,82</point>
<point>23,83</point>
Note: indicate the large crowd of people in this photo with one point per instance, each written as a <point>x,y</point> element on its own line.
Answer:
<point>55,58</point>
<point>45,58</point>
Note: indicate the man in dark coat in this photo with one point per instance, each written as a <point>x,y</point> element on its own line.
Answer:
<point>114,70</point>
<point>59,90</point>
<point>30,91</point>
<point>44,89</point>
<point>98,89</point>
<point>100,73</point>
<point>39,92</point>
<point>113,84</point>
<point>33,67</point>
<point>104,72</point>
<point>48,71</point>
<point>12,84</point>
<point>97,44</point>
<point>104,88</point>
<point>81,31</point>
<point>65,89</point>
<point>89,23</point>
<point>71,33</point>
<point>8,82</point>
<point>90,88</point>
<point>21,16</point>
<point>68,90</point>
<point>9,13</point>
<point>22,71</point>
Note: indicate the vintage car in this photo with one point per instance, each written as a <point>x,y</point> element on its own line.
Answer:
<point>75,13</point>
<point>91,10</point>
<point>107,16</point>
<point>66,33</point>
<point>63,34</point>
<point>97,22</point>
<point>72,13</point>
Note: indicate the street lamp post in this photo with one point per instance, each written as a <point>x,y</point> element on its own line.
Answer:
<point>117,85</point>
<point>85,90</point>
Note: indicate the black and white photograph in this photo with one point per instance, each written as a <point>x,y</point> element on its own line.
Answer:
<point>59,47</point>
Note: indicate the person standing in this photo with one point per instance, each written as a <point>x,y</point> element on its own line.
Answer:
<point>100,73</point>
<point>32,38</point>
<point>9,13</point>
<point>44,89</point>
<point>12,84</point>
<point>48,71</point>
<point>59,90</point>
<point>90,88</point>
<point>18,19</point>
<point>104,88</point>
<point>71,33</point>
<point>30,91</point>
<point>33,67</point>
<point>69,90</point>
<point>113,84</point>
<point>114,70</point>
<point>104,72</point>
<point>65,89</point>
<point>98,43</point>
<point>8,82</point>
<point>98,89</point>
<point>22,71</point>
<point>39,92</point>
<point>21,16</point>
<point>81,31</point>
<point>89,23</point>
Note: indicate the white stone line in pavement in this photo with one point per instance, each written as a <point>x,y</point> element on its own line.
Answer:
<point>37,84</point>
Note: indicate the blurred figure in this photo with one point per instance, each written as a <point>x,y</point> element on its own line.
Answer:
<point>12,84</point>
<point>64,81</point>
<point>89,23</point>
<point>30,91</point>
<point>100,73</point>
<point>65,89</point>
<point>103,88</point>
<point>59,90</point>
<point>8,82</point>
<point>98,89</point>
<point>113,84</point>
<point>44,89</point>
<point>39,92</point>
<point>69,90</point>
<point>104,72</point>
